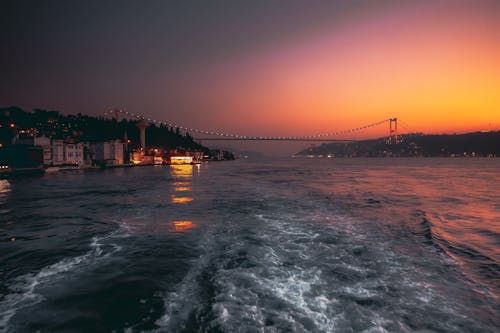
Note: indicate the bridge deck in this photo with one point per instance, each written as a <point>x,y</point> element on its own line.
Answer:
<point>271,139</point>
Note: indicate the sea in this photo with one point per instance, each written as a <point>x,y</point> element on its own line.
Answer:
<point>255,245</point>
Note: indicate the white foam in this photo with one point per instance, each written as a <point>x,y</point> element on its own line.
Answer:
<point>291,266</point>
<point>24,289</point>
<point>221,312</point>
<point>179,301</point>
<point>359,291</point>
<point>295,290</point>
<point>236,308</point>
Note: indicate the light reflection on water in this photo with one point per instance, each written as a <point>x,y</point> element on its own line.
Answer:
<point>182,171</point>
<point>181,200</point>
<point>183,175</point>
<point>182,188</point>
<point>182,226</point>
<point>4,186</point>
<point>337,245</point>
<point>454,203</point>
<point>5,189</point>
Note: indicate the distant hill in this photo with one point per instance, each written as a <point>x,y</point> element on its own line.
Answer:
<point>486,144</point>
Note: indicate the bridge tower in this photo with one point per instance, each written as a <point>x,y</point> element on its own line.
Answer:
<point>393,130</point>
<point>142,127</point>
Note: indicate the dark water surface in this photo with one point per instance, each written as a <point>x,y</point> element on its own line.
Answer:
<point>293,245</point>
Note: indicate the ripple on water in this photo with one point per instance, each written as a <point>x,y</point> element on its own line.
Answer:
<point>25,290</point>
<point>288,274</point>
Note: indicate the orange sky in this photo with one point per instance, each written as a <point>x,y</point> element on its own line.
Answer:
<point>435,67</point>
<point>270,68</point>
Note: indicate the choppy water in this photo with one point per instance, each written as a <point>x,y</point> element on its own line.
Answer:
<point>354,245</point>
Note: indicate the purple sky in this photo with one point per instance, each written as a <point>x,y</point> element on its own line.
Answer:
<point>250,67</point>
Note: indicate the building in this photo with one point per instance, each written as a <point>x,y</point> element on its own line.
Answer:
<point>75,153</point>
<point>181,159</point>
<point>58,152</point>
<point>21,157</point>
<point>45,143</point>
<point>108,152</point>
<point>138,157</point>
<point>58,156</point>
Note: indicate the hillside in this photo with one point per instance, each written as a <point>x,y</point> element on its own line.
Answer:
<point>486,144</point>
<point>15,121</point>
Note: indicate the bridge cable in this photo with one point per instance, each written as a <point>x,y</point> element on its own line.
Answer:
<point>237,136</point>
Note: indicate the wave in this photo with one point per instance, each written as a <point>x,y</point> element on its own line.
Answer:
<point>272,273</point>
<point>24,290</point>
<point>285,271</point>
<point>461,253</point>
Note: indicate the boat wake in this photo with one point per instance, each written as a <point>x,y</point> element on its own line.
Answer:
<point>24,292</point>
<point>287,273</point>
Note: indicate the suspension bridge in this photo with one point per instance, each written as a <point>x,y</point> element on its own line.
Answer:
<point>118,114</point>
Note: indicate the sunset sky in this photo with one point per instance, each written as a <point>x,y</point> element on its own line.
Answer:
<point>259,67</point>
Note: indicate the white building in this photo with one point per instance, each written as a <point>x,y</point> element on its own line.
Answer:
<point>58,156</point>
<point>83,154</point>
<point>108,152</point>
<point>73,153</point>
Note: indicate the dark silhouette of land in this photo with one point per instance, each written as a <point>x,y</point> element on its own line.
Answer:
<point>17,122</point>
<point>477,144</point>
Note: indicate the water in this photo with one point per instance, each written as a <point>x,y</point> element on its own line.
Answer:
<point>292,245</point>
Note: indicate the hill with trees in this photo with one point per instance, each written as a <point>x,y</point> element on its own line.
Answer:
<point>480,144</point>
<point>15,121</point>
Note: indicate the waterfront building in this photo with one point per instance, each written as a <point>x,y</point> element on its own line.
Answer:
<point>73,153</point>
<point>108,152</point>
<point>21,158</point>
<point>138,157</point>
<point>181,159</point>
<point>45,143</point>
<point>58,152</point>
<point>58,156</point>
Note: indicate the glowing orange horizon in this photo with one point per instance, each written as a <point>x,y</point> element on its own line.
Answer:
<point>436,68</point>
